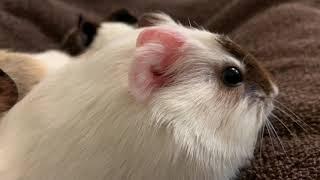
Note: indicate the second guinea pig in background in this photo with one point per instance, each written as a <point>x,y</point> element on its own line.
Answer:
<point>22,71</point>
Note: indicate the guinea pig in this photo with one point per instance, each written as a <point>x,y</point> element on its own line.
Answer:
<point>20,72</point>
<point>26,70</point>
<point>164,102</point>
<point>80,38</point>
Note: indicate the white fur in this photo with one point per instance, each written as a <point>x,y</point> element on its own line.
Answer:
<point>83,124</point>
<point>52,60</point>
<point>107,33</point>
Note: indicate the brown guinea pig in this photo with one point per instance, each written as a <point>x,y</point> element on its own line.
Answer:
<point>79,39</point>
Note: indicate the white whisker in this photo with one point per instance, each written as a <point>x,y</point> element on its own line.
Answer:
<point>261,139</point>
<point>273,129</point>
<point>295,119</point>
<point>270,135</point>
<point>277,118</point>
<point>189,23</point>
<point>291,118</point>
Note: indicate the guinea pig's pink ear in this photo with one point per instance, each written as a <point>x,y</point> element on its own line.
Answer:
<point>157,49</point>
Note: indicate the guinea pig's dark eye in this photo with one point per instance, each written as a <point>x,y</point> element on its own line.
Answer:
<point>232,76</point>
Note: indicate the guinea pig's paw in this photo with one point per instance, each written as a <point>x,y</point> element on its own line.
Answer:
<point>151,19</point>
<point>8,92</point>
<point>157,51</point>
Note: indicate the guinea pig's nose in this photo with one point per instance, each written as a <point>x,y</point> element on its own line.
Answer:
<point>274,91</point>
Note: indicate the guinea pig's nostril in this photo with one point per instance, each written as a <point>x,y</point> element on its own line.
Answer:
<point>275,91</point>
<point>232,76</point>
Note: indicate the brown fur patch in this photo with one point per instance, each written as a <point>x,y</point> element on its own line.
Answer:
<point>255,73</point>
<point>79,38</point>
<point>122,15</point>
<point>8,92</point>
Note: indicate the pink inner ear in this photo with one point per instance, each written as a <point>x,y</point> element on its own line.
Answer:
<point>158,48</point>
<point>167,37</point>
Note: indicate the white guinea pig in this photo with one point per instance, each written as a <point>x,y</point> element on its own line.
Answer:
<point>164,102</point>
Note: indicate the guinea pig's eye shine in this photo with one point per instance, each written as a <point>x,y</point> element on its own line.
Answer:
<point>232,76</point>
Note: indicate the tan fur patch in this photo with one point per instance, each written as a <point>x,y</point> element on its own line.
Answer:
<point>23,70</point>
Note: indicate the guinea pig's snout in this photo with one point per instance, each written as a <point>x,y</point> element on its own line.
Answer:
<point>262,94</point>
<point>260,80</point>
<point>257,80</point>
<point>274,91</point>
<point>260,86</point>
<point>271,92</point>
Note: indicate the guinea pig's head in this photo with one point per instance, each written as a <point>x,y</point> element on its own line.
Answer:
<point>209,93</point>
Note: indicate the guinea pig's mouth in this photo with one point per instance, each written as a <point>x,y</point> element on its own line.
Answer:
<point>266,105</point>
<point>262,101</point>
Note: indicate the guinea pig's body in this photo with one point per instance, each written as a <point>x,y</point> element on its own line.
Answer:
<point>147,105</point>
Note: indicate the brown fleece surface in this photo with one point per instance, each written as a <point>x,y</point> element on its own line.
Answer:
<point>8,92</point>
<point>283,34</point>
